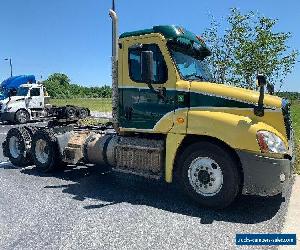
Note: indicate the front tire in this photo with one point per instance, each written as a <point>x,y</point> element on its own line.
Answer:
<point>209,175</point>
<point>22,116</point>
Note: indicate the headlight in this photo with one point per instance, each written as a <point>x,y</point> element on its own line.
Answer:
<point>270,143</point>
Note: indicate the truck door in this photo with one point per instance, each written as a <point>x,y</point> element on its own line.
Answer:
<point>141,107</point>
<point>36,100</point>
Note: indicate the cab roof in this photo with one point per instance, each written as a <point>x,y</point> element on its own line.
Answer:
<point>15,81</point>
<point>169,32</point>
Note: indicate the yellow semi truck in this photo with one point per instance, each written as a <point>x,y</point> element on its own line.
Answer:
<point>171,122</point>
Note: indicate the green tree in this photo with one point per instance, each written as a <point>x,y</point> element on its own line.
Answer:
<point>249,46</point>
<point>60,78</point>
<point>58,86</point>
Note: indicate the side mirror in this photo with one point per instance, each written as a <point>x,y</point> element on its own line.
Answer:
<point>261,80</point>
<point>147,66</point>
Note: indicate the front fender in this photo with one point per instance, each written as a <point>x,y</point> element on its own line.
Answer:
<point>238,131</point>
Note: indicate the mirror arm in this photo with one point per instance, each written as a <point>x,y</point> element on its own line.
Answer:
<point>259,110</point>
<point>159,94</point>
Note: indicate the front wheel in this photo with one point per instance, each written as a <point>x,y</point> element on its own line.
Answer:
<point>209,175</point>
<point>22,116</point>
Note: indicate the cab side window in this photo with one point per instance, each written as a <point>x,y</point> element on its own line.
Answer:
<point>160,71</point>
<point>35,92</point>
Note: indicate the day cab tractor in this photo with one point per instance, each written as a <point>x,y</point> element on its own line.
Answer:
<point>171,122</point>
<point>31,103</point>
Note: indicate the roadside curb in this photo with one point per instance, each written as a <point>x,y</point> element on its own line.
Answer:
<point>292,220</point>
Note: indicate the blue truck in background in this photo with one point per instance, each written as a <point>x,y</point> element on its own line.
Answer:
<point>10,86</point>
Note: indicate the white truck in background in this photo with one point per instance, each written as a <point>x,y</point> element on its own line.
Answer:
<point>31,103</point>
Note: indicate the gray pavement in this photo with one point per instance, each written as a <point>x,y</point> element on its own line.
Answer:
<point>81,208</point>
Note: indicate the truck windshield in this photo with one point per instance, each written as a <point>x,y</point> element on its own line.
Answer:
<point>22,91</point>
<point>191,68</point>
<point>189,58</point>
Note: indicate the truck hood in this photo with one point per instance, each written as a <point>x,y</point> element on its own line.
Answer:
<point>17,98</point>
<point>12,99</point>
<point>235,94</point>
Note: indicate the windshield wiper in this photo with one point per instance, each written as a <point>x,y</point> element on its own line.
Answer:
<point>195,76</point>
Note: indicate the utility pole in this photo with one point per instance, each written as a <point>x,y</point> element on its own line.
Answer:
<point>10,64</point>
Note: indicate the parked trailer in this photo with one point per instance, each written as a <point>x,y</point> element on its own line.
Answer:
<point>171,123</point>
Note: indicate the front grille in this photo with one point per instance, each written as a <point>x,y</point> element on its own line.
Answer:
<point>286,111</point>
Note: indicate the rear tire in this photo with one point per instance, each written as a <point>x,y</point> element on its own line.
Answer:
<point>83,113</point>
<point>209,175</point>
<point>22,116</point>
<point>17,147</point>
<point>45,151</point>
<point>71,113</point>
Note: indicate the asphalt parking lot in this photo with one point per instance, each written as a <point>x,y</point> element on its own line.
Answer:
<point>80,208</point>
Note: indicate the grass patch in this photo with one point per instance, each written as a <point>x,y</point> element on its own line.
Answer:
<point>296,125</point>
<point>93,121</point>
<point>94,104</point>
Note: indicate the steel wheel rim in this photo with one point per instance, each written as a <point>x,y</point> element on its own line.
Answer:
<point>41,151</point>
<point>22,117</point>
<point>84,113</point>
<point>205,176</point>
<point>14,147</point>
<point>71,113</point>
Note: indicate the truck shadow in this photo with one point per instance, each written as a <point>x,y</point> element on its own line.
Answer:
<point>113,188</point>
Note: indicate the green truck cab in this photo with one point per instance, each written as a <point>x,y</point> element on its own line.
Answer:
<point>182,103</point>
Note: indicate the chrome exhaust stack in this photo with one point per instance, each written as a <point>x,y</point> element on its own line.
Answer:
<point>115,91</point>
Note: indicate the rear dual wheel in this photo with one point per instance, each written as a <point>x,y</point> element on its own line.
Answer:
<point>71,113</point>
<point>17,146</point>
<point>74,113</point>
<point>45,151</point>
<point>83,113</point>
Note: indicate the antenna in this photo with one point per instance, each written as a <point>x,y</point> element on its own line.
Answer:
<point>113,5</point>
